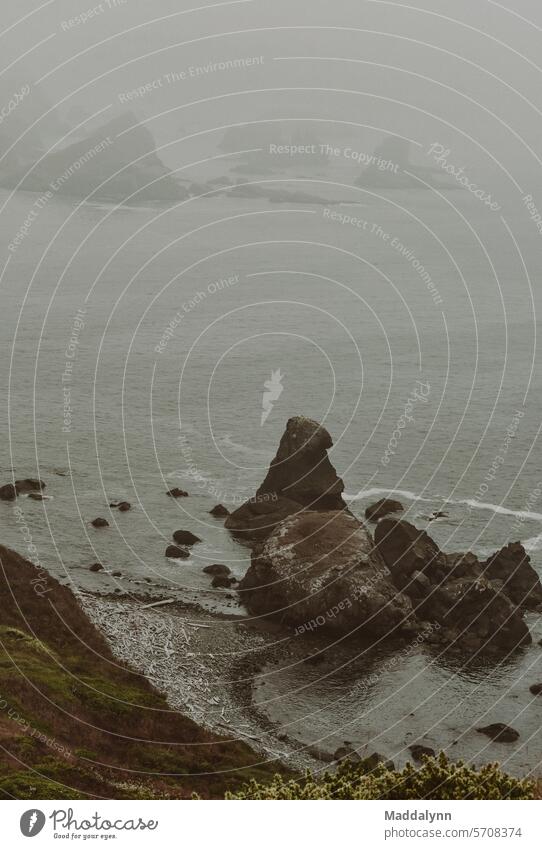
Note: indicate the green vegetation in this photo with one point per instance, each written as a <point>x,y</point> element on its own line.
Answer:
<point>438,778</point>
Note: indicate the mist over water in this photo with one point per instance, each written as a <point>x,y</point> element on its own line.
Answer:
<point>337,206</point>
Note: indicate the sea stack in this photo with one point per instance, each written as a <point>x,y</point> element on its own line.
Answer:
<point>300,477</point>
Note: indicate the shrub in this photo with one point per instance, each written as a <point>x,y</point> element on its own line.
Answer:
<point>437,778</point>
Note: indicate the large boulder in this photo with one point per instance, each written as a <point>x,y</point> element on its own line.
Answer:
<point>300,476</point>
<point>321,569</point>
<point>520,582</point>
<point>382,508</point>
<point>9,491</point>
<point>452,590</point>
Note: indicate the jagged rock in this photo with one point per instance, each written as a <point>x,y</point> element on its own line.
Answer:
<point>222,581</point>
<point>536,689</point>
<point>371,762</point>
<point>217,569</point>
<point>176,553</point>
<point>100,523</point>
<point>500,733</point>
<point>321,569</point>
<point>450,589</point>
<point>346,752</point>
<point>520,582</point>
<point>177,493</point>
<point>418,752</point>
<point>185,538</point>
<point>256,519</point>
<point>123,506</point>
<point>29,485</point>
<point>95,567</point>
<point>407,550</point>
<point>8,492</point>
<point>219,511</point>
<point>383,508</point>
<point>300,477</point>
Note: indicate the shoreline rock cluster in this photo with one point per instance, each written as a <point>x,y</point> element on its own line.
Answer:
<point>314,562</point>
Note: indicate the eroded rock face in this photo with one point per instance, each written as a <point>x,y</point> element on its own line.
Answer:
<point>453,590</point>
<point>300,477</point>
<point>382,508</point>
<point>520,582</point>
<point>321,569</point>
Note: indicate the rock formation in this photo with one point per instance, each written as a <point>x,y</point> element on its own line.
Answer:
<point>300,477</point>
<point>185,538</point>
<point>455,590</point>
<point>321,569</point>
<point>383,508</point>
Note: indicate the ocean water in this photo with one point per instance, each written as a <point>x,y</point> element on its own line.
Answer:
<point>135,346</point>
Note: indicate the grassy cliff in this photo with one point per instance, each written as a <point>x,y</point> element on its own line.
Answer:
<point>76,723</point>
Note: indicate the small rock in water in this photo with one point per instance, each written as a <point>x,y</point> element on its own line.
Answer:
<point>117,574</point>
<point>176,553</point>
<point>185,538</point>
<point>418,751</point>
<point>123,506</point>
<point>177,493</point>
<point>500,732</point>
<point>536,689</point>
<point>8,492</point>
<point>219,511</point>
<point>217,569</point>
<point>36,496</point>
<point>100,523</point>
<point>96,567</point>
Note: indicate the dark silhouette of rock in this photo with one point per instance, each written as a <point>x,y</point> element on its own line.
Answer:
<point>300,477</point>
<point>10,491</point>
<point>36,496</point>
<point>372,762</point>
<point>96,567</point>
<point>320,569</point>
<point>382,508</point>
<point>217,569</point>
<point>100,523</point>
<point>117,574</point>
<point>500,733</point>
<point>185,538</point>
<point>418,752</point>
<point>520,582</point>
<point>123,506</point>
<point>27,485</point>
<point>222,581</point>
<point>450,589</point>
<point>536,689</point>
<point>112,165</point>
<point>177,493</point>
<point>176,553</point>
<point>437,514</point>
<point>219,511</point>
<point>346,752</point>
